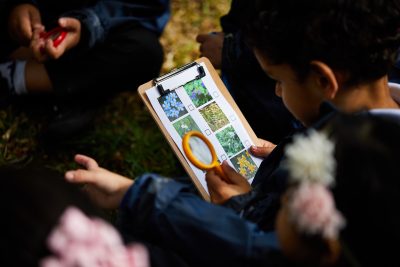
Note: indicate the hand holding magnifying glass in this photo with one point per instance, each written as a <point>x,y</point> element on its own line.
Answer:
<point>201,153</point>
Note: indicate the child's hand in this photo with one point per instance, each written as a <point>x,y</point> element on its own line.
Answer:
<point>37,43</point>
<point>263,150</point>
<point>44,49</point>
<point>105,188</point>
<point>220,190</point>
<point>211,47</point>
<point>22,20</point>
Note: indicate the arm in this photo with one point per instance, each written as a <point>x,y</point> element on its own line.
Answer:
<point>168,213</point>
<point>104,188</point>
<point>165,211</point>
<point>98,19</point>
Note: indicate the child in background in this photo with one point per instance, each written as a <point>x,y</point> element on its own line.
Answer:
<point>355,157</point>
<point>110,46</point>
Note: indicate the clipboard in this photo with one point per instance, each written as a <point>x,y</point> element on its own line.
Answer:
<point>173,80</point>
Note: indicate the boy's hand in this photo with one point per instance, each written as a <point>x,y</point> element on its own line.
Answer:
<point>263,150</point>
<point>106,189</point>
<point>211,47</point>
<point>21,22</point>
<point>221,190</point>
<point>44,49</point>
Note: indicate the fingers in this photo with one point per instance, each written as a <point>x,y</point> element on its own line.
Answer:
<point>22,20</point>
<point>263,150</point>
<point>37,44</point>
<point>47,48</point>
<point>26,29</point>
<point>216,187</point>
<point>71,24</point>
<point>86,161</point>
<point>80,176</point>
<point>233,176</point>
<point>260,152</point>
<point>213,180</point>
<point>35,18</point>
<point>52,51</point>
<point>202,37</point>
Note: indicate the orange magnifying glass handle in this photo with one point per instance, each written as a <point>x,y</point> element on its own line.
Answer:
<point>218,169</point>
<point>196,161</point>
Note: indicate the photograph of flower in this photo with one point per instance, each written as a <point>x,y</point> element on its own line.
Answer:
<point>230,141</point>
<point>214,116</point>
<point>197,92</point>
<point>244,164</point>
<point>172,105</point>
<point>185,125</point>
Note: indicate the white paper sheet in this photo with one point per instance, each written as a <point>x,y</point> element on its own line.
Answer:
<point>199,105</point>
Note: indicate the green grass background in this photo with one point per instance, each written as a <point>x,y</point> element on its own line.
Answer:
<point>124,138</point>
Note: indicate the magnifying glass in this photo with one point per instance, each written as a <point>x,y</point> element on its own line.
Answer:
<point>201,152</point>
<point>57,34</point>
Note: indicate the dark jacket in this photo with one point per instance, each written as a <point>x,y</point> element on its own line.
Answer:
<point>168,214</point>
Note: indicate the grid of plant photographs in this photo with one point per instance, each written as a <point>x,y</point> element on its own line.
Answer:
<point>216,120</point>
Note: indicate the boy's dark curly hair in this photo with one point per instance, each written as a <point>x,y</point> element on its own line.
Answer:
<point>359,37</point>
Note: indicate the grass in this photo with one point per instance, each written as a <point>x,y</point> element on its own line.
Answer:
<point>124,138</point>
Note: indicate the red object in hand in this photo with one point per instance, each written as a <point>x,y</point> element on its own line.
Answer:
<point>57,34</point>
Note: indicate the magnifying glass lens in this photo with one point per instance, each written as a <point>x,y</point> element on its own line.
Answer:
<point>200,150</point>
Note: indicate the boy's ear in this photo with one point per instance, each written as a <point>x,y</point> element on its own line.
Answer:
<point>326,79</point>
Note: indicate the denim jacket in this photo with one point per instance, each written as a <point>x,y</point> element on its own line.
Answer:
<point>99,17</point>
<point>168,214</point>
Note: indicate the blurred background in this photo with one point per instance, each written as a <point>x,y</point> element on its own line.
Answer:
<point>123,138</point>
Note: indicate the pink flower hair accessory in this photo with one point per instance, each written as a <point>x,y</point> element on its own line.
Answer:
<point>312,210</point>
<point>79,241</point>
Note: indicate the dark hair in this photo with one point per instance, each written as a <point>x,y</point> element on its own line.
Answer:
<point>32,201</point>
<point>360,37</point>
<point>367,189</point>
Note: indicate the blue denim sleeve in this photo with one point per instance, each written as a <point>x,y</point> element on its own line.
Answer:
<point>98,19</point>
<point>167,211</point>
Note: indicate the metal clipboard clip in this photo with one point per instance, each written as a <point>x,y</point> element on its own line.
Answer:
<point>179,77</point>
